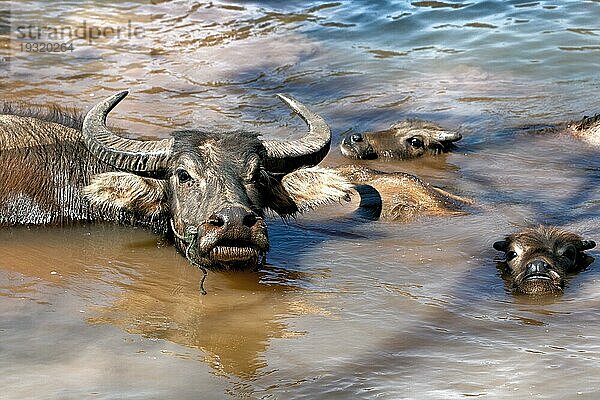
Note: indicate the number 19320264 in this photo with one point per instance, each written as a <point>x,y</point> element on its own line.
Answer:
<point>42,47</point>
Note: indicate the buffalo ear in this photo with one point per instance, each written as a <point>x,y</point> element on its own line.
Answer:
<point>307,188</point>
<point>116,192</point>
<point>586,245</point>
<point>501,245</point>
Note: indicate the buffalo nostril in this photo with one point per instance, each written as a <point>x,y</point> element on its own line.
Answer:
<point>232,217</point>
<point>537,267</point>
<point>216,220</point>
<point>249,220</point>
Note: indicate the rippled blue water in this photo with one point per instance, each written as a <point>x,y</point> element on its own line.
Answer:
<point>539,40</point>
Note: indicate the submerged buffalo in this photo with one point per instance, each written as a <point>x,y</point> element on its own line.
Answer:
<point>407,139</point>
<point>588,129</point>
<point>400,197</point>
<point>538,259</point>
<point>209,189</point>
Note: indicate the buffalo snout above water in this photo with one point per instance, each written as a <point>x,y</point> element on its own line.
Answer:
<point>407,139</point>
<point>537,260</point>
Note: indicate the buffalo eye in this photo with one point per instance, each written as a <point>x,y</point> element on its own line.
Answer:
<point>416,142</point>
<point>570,253</point>
<point>256,176</point>
<point>511,255</point>
<point>356,138</point>
<point>183,176</point>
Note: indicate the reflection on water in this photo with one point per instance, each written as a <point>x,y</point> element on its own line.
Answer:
<point>159,299</point>
<point>346,307</point>
<point>232,325</point>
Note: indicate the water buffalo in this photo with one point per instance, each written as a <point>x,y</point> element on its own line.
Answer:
<point>588,129</point>
<point>209,189</point>
<point>398,196</point>
<point>410,138</point>
<point>538,259</point>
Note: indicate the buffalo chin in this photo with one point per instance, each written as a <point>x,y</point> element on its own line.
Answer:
<point>235,257</point>
<point>539,286</point>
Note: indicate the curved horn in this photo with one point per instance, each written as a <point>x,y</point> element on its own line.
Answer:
<point>126,154</point>
<point>446,136</point>
<point>306,151</point>
<point>586,245</point>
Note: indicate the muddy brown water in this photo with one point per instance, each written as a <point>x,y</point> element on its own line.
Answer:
<point>345,307</point>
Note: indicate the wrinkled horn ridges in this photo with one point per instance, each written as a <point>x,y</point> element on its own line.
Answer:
<point>122,153</point>
<point>286,156</point>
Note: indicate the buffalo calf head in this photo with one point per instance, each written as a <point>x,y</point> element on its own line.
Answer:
<point>538,259</point>
<point>407,139</point>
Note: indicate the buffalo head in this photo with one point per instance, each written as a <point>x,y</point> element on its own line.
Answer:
<point>406,139</point>
<point>212,189</point>
<point>538,259</point>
